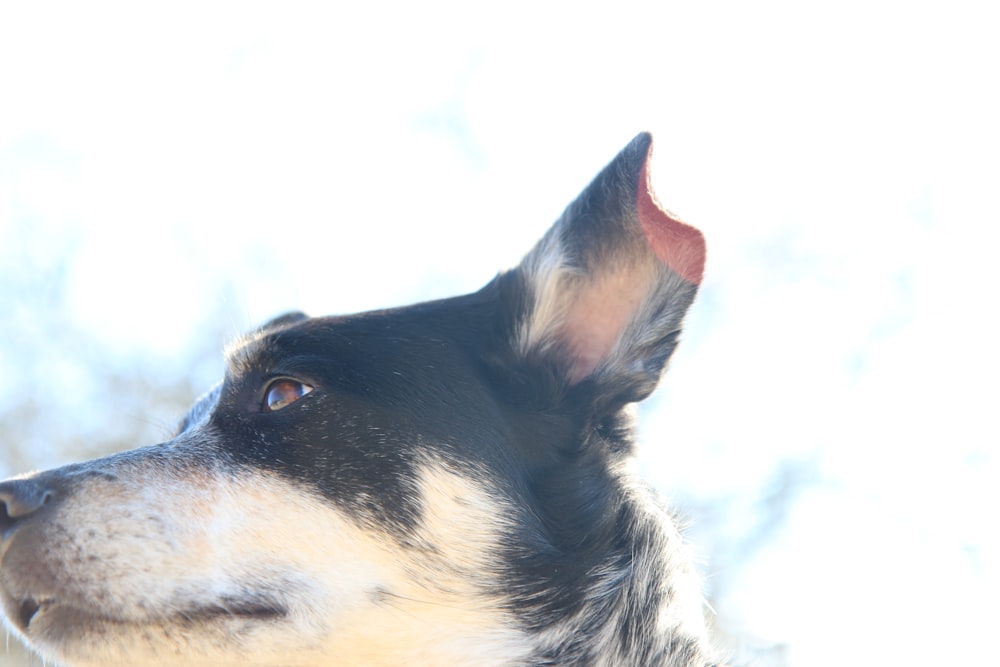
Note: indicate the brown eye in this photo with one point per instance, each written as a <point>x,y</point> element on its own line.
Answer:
<point>284,392</point>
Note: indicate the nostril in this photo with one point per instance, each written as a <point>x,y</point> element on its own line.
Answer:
<point>26,612</point>
<point>6,520</point>
<point>20,498</point>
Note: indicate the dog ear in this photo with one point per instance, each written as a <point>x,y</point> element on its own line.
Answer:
<point>282,321</point>
<point>606,288</point>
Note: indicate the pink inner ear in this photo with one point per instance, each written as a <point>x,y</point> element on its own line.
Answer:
<point>678,245</point>
<point>597,317</point>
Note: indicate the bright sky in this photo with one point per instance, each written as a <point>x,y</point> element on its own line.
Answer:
<point>842,159</point>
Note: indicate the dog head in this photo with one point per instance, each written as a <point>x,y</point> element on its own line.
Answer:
<point>447,481</point>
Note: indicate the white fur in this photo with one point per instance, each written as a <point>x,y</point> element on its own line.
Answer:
<point>163,545</point>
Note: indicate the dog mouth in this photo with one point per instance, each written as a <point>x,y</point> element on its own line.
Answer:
<point>29,609</point>
<point>259,610</point>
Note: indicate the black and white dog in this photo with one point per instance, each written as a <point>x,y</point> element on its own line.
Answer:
<point>448,483</point>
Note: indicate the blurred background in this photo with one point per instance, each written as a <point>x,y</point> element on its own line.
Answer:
<point>173,175</point>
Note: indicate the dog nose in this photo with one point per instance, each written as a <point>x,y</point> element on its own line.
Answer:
<point>20,498</point>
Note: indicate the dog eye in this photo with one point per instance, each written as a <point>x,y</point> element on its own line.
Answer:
<point>283,393</point>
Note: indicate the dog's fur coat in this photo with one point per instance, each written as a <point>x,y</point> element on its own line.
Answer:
<point>448,483</point>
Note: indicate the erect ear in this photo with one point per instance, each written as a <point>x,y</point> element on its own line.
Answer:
<point>606,288</point>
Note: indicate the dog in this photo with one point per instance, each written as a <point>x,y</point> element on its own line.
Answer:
<point>448,483</point>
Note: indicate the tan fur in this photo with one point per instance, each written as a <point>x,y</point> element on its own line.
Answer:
<point>594,322</point>
<point>162,545</point>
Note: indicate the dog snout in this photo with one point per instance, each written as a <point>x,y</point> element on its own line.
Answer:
<point>20,498</point>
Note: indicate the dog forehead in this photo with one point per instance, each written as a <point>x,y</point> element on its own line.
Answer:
<point>300,347</point>
<point>431,335</point>
<point>257,348</point>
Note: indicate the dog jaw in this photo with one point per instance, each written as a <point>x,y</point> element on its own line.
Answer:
<point>145,566</point>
